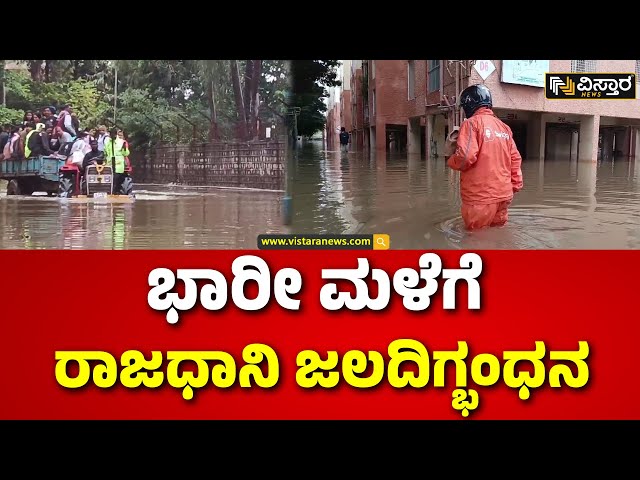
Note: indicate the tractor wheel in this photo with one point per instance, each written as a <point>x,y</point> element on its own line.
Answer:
<point>126,187</point>
<point>66,186</point>
<point>27,187</point>
<point>13,187</point>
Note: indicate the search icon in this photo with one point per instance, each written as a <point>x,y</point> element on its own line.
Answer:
<point>381,241</point>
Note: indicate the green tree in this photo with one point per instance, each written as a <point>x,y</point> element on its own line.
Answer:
<point>3,96</point>
<point>10,115</point>
<point>156,99</point>
<point>309,80</point>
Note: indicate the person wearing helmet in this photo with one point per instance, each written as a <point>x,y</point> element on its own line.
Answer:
<point>489,162</point>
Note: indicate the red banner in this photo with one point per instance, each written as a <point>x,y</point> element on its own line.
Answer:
<point>532,335</point>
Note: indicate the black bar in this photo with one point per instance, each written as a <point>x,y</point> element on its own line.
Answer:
<point>315,242</point>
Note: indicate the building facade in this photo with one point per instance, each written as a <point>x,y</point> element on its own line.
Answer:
<point>405,106</point>
<point>332,128</point>
<point>387,105</point>
<point>359,141</point>
<point>345,97</point>
<point>542,128</point>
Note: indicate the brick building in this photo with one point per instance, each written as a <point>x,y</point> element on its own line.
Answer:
<point>542,128</point>
<point>345,97</point>
<point>388,105</point>
<point>359,135</point>
<point>406,101</point>
<point>416,101</point>
<point>333,123</point>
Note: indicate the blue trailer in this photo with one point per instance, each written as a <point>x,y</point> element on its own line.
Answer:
<point>35,174</point>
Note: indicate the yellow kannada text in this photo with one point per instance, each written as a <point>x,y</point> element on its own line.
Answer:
<point>261,369</point>
<point>485,369</point>
<point>214,367</point>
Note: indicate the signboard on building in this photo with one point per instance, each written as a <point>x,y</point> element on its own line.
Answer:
<point>525,72</point>
<point>484,68</point>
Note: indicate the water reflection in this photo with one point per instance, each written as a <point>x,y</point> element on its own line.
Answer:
<point>565,204</point>
<point>159,219</point>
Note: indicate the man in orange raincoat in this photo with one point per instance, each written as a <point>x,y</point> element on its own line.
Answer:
<point>484,152</point>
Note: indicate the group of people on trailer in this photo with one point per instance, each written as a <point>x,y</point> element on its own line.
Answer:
<point>53,134</point>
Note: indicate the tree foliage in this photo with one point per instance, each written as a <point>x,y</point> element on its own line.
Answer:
<point>157,100</point>
<point>309,82</point>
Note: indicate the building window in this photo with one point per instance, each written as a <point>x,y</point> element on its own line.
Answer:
<point>433,67</point>
<point>638,71</point>
<point>411,79</point>
<point>373,69</point>
<point>582,66</point>
<point>373,102</point>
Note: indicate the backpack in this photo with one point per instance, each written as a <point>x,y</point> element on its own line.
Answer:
<point>17,152</point>
<point>6,152</point>
<point>65,148</point>
<point>60,121</point>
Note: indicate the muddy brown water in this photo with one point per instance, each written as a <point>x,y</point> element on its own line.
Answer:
<point>565,204</point>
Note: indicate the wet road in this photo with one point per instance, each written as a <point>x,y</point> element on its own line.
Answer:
<point>564,204</point>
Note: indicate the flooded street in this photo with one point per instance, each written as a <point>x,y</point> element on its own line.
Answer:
<point>564,204</point>
<point>160,218</point>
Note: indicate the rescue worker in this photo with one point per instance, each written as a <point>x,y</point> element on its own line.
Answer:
<point>484,152</point>
<point>37,142</point>
<point>115,150</point>
<point>18,148</point>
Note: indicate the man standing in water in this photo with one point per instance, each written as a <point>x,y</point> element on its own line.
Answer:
<point>115,151</point>
<point>484,152</point>
<point>344,140</point>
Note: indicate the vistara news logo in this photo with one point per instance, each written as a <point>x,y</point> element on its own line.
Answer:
<point>597,86</point>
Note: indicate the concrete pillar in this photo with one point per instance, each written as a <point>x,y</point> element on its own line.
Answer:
<point>534,137</point>
<point>413,136</point>
<point>428,136</point>
<point>381,137</point>
<point>372,139</point>
<point>589,132</point>
<point>543,136</point>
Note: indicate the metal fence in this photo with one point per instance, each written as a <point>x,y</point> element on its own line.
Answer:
<point>245,165</point>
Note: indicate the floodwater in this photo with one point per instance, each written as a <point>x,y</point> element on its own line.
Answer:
<point>564,204</point>
<point>161,217</point>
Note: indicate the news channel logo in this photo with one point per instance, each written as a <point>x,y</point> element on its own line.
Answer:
<point>590,86</point>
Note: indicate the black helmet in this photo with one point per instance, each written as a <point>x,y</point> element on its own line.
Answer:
<point>474,97</point>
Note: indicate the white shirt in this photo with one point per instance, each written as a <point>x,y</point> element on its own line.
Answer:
<point>101,139</point>
<point>65,137</point>
<point>77,151</point>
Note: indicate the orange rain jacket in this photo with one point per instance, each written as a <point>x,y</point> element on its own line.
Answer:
<point>488,160</point>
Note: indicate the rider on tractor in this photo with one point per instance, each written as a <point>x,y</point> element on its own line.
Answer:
<point>115,151</point>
